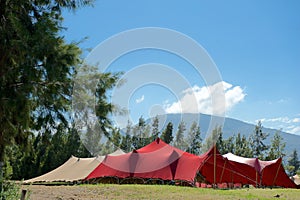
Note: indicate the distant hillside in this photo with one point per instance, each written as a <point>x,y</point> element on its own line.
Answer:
<point>230,127</point>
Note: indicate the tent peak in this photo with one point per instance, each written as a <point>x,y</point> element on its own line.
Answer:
<point>157,140</point>
<point>134,151</point>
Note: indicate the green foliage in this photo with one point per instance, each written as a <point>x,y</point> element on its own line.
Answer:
<point>107,148</point>
<point>220,143</point>
<point>91,95</point>
<point>11,191</point>
<point>235,144</point>
<point>242,147</point>
<point>277,147</point>
<point>126,143</point>
<point>116,139</point>
<point>140,132</point>
<point>44,153</point>
<point>228,145</point>
<point>257,141</point>
<point>36,71</point>
<point>36,67</point>
<point>179,138</point>
<point>155,131</point>
<point>213,139</point>
<point>167,134</point>
<point>194,139</point>
<point>293,163</point>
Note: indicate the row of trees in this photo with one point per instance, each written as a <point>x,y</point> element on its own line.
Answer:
<point>46,151</point>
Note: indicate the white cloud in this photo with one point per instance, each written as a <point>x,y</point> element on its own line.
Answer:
<point>140,100</point>
<point>286,120</point>
<point>295,130</point>
<point>199,99</point>
<point>287,124</point>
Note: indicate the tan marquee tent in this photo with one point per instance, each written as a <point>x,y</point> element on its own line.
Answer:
<point>296,179</point>
<point>74,169</point>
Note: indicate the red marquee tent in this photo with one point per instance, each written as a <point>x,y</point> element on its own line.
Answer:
<point>268,173</point>
<point>159,160</point>
<point>156,160</point>
<point>273,174</point>
<point>217,169</point>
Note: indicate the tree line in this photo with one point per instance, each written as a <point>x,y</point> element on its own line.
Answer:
<point>46,151</point>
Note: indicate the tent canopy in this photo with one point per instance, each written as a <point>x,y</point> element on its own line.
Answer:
<point>296,179</point>
<point>156,160</point>
<point>217,169</point>
<point>73,169</point>
<point>270,173</point>
<point>159,160</point>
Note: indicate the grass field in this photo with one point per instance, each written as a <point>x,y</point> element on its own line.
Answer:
<point>111,191</point>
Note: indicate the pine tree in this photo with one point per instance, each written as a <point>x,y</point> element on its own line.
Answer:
<point>108,148</point>
<point>239,148</point>
<point>293,163</point>
<point>167,136</point>
<point>212,139</point>
<point>91,107</point>
<point>93,139</point>
<point>116,139</point>
<point>242,146</point>
<point>257,141</point>
<point>126,143</point>
<point>126,140</point>
<point>194,139</point>
<point>248,153</point>
<point>37,66</point>
<point>179,138</point>
<point>155,130</point>
<point>277,147</point>
<point>221,143</point>
<point>74,145</point>
<point>140,134</point>
<point>229,145</point>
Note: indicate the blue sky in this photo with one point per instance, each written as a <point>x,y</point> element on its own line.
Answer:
<point>255,45</point>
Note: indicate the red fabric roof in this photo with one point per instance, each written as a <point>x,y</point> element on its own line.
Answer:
<point>156,160</point>
<point>270,173</point>
<point>273,174</point>
<point>253,162</point>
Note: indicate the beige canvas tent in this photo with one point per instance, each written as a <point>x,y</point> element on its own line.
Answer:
<point>74,169</point>
<point>296,179</point>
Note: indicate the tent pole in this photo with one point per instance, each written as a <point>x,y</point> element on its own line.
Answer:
<point>256,179</point>
<point>223,171</point>
<point>276,175</point>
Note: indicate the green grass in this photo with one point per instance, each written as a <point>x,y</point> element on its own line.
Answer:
<point>107,191</point>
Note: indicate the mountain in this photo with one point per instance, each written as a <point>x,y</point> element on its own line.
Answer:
<point>230,127</point>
